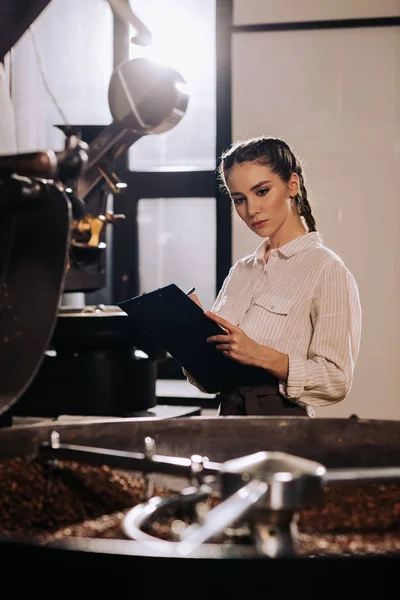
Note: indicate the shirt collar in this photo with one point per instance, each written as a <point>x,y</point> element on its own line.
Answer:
<point>304,242</point>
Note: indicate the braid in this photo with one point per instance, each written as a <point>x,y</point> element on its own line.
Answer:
<point>304,205</point>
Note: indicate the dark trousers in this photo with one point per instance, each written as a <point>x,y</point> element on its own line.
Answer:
<point>262,400</point>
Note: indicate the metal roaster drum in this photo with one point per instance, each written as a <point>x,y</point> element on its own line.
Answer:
<point>329,485</point>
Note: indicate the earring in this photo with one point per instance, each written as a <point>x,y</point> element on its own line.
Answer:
<point>295,205</point>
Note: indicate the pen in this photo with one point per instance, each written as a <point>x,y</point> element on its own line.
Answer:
<point>192,289</point>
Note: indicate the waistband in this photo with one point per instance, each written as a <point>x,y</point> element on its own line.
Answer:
<point>258,400</point>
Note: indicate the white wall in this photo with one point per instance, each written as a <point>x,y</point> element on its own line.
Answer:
<point>74,44</point>
<point>334,95</point>
<point>277,11</point>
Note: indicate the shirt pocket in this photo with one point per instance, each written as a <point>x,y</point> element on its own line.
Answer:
<point>271,314</point>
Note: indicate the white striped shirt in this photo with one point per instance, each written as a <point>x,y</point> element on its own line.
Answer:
<point>303,302</point>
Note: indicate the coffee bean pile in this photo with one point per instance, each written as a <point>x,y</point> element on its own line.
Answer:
<point>354,506</point>
<point>349,544</point>
<point>77,500</point>
<point>38,500</point>
<point>353,519</point>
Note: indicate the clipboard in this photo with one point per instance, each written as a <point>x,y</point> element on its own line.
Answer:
<point>178,324</point>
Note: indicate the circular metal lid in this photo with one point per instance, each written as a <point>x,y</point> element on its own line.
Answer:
<point>146,96</point>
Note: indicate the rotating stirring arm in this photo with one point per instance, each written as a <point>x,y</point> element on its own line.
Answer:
<point>267,488</point>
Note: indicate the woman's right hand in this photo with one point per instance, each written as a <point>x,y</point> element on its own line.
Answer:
<point>195,299</point>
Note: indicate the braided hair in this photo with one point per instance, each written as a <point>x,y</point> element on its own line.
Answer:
<point>277,155</point>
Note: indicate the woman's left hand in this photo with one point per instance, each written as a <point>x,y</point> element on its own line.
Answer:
<point>237,345</point>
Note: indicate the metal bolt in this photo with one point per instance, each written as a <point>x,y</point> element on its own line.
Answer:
<point>55,439</point>
<point>196,468</point>
<point>150,447</point>
<point>149,452</point>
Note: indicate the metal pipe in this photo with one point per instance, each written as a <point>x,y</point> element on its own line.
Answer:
<point>362,474</point>
<point>133,461</point>
<point>138,516</point>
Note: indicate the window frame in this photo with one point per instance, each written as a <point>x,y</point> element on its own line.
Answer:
<point>175,184</point>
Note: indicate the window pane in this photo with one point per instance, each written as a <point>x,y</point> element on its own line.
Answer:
<point>184,38</point>
<point>75,43</point>
<point>177,244</point>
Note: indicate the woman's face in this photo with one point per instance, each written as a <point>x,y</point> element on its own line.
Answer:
<point>263,201</point>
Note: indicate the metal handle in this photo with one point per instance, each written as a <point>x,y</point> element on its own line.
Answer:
<point>222,516</point>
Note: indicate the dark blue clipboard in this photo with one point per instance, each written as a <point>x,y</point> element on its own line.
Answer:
<point>178,324</point>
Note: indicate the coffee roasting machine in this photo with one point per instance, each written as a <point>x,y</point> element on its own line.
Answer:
<point>249,505</point>
<point>95,362</point>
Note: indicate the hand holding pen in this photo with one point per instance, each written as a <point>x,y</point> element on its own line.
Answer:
<point>193,296</point>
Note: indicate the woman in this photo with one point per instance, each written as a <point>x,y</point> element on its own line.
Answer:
<point>292,307</point>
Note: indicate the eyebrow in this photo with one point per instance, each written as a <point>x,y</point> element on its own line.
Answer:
<point>255,187</point>
<point>258,185</point>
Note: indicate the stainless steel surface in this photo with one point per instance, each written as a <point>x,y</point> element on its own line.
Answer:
<point>224,515</point>
<point>292,480</point>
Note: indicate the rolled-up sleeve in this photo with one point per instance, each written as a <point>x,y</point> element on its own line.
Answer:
<point>325,376</point>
